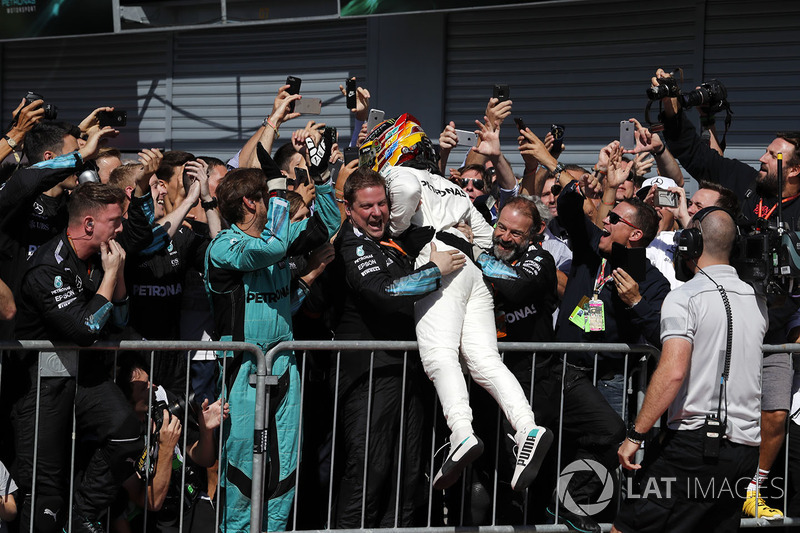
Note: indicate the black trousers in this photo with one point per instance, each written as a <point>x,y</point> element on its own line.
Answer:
<point>679,490</point>
<point>385,442</point>
<point>103,414</point>
<point>591,429</point>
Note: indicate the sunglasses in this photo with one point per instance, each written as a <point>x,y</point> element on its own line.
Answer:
<point>613,218</point>
<point>556,189</point>
<point>477,183</point>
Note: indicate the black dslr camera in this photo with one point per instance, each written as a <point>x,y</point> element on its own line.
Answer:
<point>50,111</point>
<point>175,406</point>
<point>710,94</point>
<point>666,88</point>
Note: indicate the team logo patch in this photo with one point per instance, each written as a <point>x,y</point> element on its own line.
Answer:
<point>360,251</point>
<point>57,283</point>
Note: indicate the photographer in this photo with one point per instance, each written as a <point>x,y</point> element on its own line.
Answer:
<point>26,116</point>
<point>167,459</point>
<point>759,194</point>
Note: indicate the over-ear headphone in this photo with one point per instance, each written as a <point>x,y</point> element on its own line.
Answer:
<point>690,241</point>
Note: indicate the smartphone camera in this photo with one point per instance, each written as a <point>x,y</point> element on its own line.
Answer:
<point>115,119</point>
<point>662,198</point>
<point>500,92</point>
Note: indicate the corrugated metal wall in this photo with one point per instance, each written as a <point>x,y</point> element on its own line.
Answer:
<point>584,64</point>
<point>202,91</point>
<point>587,64</point>
<point>754,49</point>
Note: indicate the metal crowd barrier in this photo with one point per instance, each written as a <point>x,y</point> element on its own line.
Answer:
<point>262,379</point>
<point>48,353</point>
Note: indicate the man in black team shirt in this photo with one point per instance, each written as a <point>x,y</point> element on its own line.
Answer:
<point>33,202</point>
<point>759,195</point>
<point>72,293</point>
<point>523,279</point>
<point>373,289</point>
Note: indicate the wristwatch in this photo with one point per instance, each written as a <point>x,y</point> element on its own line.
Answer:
<point>11,142</point>
<point>211,204</point>
<point>558,170</point>
<point>634,436</point>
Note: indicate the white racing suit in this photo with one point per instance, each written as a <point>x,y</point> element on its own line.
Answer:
<point>461,314</point>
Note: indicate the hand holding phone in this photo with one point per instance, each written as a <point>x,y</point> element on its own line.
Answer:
<point>466,138</point>
<point>627,138</point>
<point>350,91</point>
<point>294,88</point>
<point>500,91</point>
<point>375,117</point>
<point>557,131</point>
<point>115,119</point>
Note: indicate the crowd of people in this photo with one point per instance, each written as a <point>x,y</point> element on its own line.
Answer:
<point>298,241</point>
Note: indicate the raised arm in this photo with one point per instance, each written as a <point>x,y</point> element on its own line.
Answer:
<point>268,131</point>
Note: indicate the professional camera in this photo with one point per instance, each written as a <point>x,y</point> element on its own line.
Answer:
<point>711,94</point>
<point>50,111</point>
<point>666,88</point>
<point>769,257</point>
<point>174,405</point>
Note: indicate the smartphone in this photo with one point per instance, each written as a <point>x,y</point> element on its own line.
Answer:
<point>330,135</point>
<point>308,106</point>
<point>300,176</point>
<point>335,167</point>
<point>520,124</point>
<point>366,155</point>
<point>664,198</point>
<point>632,260</point>
<point>466,138</point>
<point>350,89</point>
<point>294,88</point>
<point>500,92</point>
<point>626,134</point>
<point>350,154</point>
<point>116,118</point>
<point>557,130</point>
<point>374,118</point>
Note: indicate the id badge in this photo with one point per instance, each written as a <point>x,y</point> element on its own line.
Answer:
<point>578,316</point>
<point>595,318</point>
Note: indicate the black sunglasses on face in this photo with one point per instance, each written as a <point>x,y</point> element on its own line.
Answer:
<point>613,218</point>
<point>556,189</point>
<point>477,183</point>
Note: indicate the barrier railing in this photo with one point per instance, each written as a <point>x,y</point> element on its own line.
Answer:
<point>262,379</point>
<point>60,360</point>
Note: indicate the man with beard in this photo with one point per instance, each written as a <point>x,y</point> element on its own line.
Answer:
<point>456,324</point>
<point>522,276</point>
<point>759,193</point>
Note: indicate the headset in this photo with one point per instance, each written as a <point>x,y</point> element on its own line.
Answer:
<point>690,243</point>
<point>690,240</point>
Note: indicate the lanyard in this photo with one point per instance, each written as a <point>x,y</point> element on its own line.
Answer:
<point>760,209</point>
<point>391,244</point>
<point>600,282</point>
